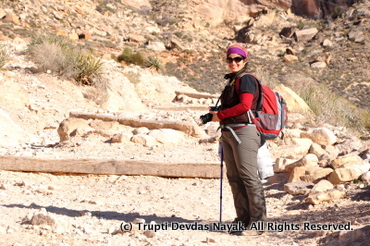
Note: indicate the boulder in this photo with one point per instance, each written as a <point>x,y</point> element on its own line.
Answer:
<point>321,135</point>
<point>298,188</point>
<point>295,103</point>
<point>325,196</point>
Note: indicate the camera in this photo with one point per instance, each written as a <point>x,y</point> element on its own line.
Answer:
<point>208,117</point>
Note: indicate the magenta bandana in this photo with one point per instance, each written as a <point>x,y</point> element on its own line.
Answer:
<point>237,49</point>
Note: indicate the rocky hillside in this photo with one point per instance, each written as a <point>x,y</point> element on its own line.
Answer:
<point>190,37</point>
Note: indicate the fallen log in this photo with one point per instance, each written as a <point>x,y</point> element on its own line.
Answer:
<point>109,167</point>
<point>196,95</point>
<point>189,128</point>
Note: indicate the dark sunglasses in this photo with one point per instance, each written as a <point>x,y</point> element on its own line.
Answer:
<point>236,59</point>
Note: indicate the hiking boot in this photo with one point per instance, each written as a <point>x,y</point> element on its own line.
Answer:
<point>238,228</point>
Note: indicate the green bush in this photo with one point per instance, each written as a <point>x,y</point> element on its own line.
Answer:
<point>4,55</point>
<point>130,57</point>
<point>59,55</point>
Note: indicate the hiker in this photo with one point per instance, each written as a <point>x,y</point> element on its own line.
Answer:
<point>240,140</point>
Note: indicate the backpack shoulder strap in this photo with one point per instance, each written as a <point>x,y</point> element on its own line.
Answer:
<point>260,91</point>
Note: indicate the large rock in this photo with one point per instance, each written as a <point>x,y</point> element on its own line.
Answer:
<point>295,103</point>
<point>321,135</point>
<point>305,34</point>
<point>298,188</point>
<point>68,127</point>
<point>322,185</point>
<point>167,136</point>
<point>316,175</point>
<point>346,159</point>
<point>325,196</point>
<point>342,175</point>
<point>309,160</point>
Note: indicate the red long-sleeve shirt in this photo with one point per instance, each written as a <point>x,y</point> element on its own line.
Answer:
<point>245,88</point>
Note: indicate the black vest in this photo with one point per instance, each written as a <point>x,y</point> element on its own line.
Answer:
<point>230,97</point>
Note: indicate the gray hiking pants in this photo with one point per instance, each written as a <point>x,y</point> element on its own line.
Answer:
<point>241,165</point>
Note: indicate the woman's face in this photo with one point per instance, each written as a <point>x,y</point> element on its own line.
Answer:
<point>235,62</point>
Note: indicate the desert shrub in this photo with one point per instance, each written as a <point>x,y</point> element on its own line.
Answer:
<point>131,57</point>
<point>333,109</point>
<point>59,55</point>
<point>4,55</point>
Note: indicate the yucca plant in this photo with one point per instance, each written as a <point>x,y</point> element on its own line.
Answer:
<point>154,62</point>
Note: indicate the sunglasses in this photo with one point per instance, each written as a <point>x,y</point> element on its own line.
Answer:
<point>236,59</point>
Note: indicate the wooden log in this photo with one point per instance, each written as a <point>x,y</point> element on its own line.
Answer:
<point>197,95</point>
<point>189,128</point>
<point>109,167</point>
<point>182,108</point>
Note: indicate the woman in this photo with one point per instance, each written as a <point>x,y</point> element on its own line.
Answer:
<point>241,140</point>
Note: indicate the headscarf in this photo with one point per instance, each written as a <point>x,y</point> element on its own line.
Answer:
<point>237,49</point>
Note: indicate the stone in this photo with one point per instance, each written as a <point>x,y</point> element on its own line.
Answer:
<point>306,161</point>
<point>296,173</point>
<point>141,130</point>
<point>305,34</point>
<point>295,103</point>
<point>342,175</point>
<point>167,136</point>
<point>136,38</point>
<point>298,188</point>
<point>365,176</point>
<point>290,58</point>
<point>322,185</point>
<point>68,127</point>
<point>121,138</point>
<point>321,135</point>
<point>149,233</point>
<point>325,196</point>
<point>289,150</point>
<point>104,125</point>
<point>156,46</point>
<point>143,139</point>
<point>42,219</point>
<point>281,163</point>
<point>316,175</point>
<point>317,150</point>
<point>2,13</point>
<point>302,142</point>
<point>12,17</point>
<point>318,65</point>
<point>346,159</point>
<point>356,36</point>
<point>327,43</point>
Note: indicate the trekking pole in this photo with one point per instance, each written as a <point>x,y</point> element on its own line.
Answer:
<point>221,153</point>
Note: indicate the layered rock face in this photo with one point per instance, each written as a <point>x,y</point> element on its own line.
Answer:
<point>241,10</point>
<point>319,9</point>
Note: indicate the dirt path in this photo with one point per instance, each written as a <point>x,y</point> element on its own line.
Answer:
<point>89,210</point>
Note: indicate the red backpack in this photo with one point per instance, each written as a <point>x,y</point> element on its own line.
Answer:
<point>271,112</point>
